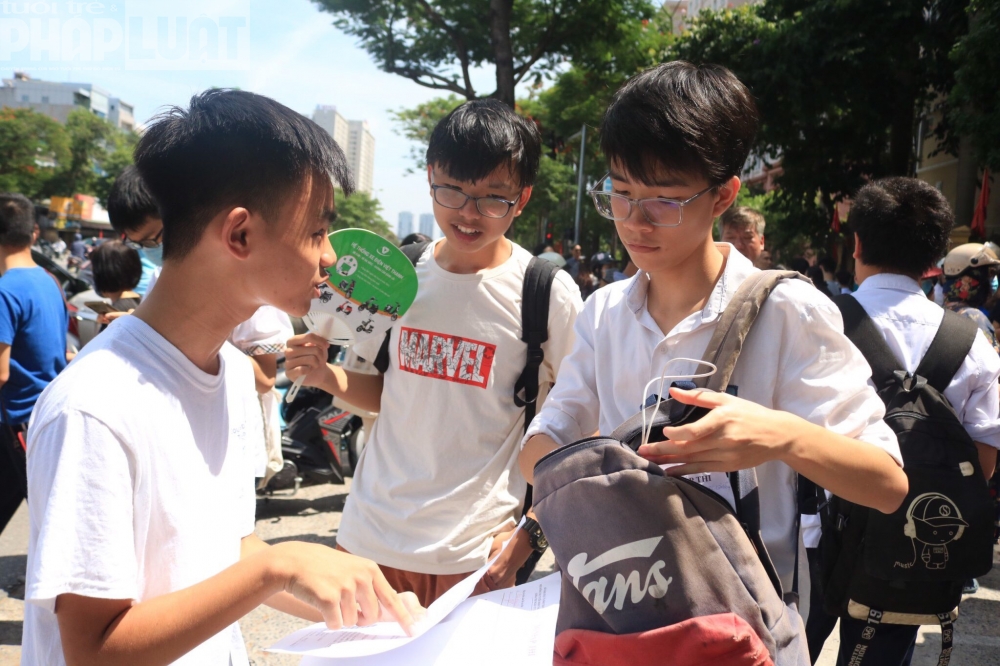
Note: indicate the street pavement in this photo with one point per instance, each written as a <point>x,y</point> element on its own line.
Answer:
<point>314,515</point>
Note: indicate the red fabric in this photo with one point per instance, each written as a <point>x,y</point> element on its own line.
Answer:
<point>979,217</point>
<point>714,640</point>
<point>836,219</point>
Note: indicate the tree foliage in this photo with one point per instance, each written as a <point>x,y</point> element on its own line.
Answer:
<point>438,43</point>
<point>975,100</point>
<point>416,124</point>
<point>361,211</point>
<point>32,145</point>
<point>841,86</point>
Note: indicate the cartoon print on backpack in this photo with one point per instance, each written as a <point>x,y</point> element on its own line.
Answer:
<point>935,521</point>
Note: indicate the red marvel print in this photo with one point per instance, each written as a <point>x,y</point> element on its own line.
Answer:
<point>448,357</point>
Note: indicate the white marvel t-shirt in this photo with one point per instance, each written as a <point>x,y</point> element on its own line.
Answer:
<point>140,470</point>
<point>439,476</point>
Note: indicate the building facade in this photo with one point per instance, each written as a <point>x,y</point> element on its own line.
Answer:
<point>58,100</point>
<point>405,227</point>
<point>355,139</point>
<point>427,224</point>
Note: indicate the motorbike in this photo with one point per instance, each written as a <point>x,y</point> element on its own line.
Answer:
<point>320,444</point>
<point>393,311</point>
<point>366,326</point>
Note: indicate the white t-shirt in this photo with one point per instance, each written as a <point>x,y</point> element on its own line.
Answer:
<point>795,359</point>
<point>141,481</point>
<point>438,477</point>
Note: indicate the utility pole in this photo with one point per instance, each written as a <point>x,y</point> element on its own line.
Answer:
<point>579,185</point>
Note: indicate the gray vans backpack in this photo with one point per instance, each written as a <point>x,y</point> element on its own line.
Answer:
<point>640,550</point>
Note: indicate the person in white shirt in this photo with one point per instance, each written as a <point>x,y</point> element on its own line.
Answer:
<point>676,136</point>
<point>901,228</point>
<point>140,456</point>
<point>437,490</point>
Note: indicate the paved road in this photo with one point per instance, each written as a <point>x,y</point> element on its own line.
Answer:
<point>314,515</point>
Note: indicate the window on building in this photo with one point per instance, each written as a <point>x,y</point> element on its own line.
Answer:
<point>45,99</point>
<point>24,98</point>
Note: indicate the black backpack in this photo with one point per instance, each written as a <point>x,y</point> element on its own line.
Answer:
<point>909,567</point>
<point>538,280</point>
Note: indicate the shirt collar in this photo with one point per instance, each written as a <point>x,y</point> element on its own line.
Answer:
<point>738,268</point>
<point>891,281</point>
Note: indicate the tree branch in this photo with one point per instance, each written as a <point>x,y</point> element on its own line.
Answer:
<point>460,48</point>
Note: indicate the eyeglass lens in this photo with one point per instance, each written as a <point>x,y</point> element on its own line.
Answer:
<point>618,207</point>
<point>454,199</point>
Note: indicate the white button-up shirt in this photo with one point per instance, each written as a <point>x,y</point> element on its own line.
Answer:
<point>796,359</point>
<point>909,322</point>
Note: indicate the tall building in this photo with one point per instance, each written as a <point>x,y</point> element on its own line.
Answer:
<point>405,224</point>
<point>427,224</point>
<point>355,140</point>
<point>334,123</point>
<point>361,154</point>
<point>58,100</point>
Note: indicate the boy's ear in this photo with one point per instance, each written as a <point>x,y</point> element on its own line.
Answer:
<point>430,174</point>
<point>727,195</point>
<point>857,248</point>
<point>236,229</point>
<point>523,201</point>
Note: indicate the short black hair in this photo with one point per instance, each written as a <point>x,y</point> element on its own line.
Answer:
<point>230,148</point>
<point>415,238</point>
<point>17,221</point>
<point>845,278</point>
<point>116,267</point>
<point>480,136</point>
<point>129,201</point>
<point>686,119</point>
<point>903,224</point>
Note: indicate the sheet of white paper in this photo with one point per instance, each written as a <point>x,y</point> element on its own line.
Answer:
<point>513,626</point>
<point>382,636</point>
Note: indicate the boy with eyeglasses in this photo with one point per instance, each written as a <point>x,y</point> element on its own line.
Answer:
<point>437,489</point>
<point>676,137</point>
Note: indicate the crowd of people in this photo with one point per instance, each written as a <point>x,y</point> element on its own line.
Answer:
<point>138,458</point>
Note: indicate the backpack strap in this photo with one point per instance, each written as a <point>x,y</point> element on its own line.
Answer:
<point>861,330</point>
<point>724,351</point>
<point>534,332</point>
<point>948,350</point>
<point>413,252</point>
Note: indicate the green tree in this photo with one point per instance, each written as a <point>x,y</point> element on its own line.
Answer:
<point>89,138</point>
<point>361,211</point>
<point>32,145</point>
<point>437,43</point>
<point>118,155</point>
<point>975,100</point>
<point>841,85</point>
<point>416,124</point>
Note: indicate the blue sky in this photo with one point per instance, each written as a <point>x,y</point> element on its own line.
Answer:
<point>294,54</point>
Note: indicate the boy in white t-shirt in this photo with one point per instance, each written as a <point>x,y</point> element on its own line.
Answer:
<point>140,457</point>
<point>437,490</point>
<point>676,137</point>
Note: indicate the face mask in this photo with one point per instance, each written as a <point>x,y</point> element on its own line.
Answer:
<point>154,254</point>
<point>995,284</point>
<point>927,286</point>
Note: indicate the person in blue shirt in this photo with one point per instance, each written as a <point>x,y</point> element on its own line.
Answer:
<point>33,323</point>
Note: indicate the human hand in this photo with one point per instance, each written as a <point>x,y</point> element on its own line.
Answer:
<point>503,571</point>
<point>347,590</point>
<point>736,434</point>
<point>305,355</point>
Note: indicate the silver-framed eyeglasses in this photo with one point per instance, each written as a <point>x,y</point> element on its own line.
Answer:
<point>488,206</point>
<point>658,211</point>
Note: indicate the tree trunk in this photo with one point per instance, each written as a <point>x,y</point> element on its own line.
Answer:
<point>500,11</point>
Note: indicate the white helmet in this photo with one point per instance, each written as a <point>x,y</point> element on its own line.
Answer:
<point>970,255</point>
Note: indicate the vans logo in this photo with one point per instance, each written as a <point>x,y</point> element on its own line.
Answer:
<point>632,587</point>
<point>446,357</point>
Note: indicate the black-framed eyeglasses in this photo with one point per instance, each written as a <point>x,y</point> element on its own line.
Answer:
<point>147,243</point>
<point>658,211</point>
<point>488,206</point>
